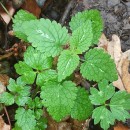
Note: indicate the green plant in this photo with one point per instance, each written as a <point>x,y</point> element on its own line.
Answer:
<point>39,75</point>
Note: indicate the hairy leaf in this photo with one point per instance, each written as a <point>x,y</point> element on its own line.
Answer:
<point>104,116</point>
<point>18,20</point>
<point>36,59</point>
<point>45,76</point>
<point>26,72</point>
<point>59,99</point>
<point>82,108</point>
<point>7,98</point>
<point>81,38</point>
<point>25,119</point>
<point>105,93</point>
<point>119,103</point>
<point>92,15</point>
<point>67,63</point>
<point>98,65</point>
<point>46,36</point>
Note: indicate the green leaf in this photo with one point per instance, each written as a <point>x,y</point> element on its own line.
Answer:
<point>81,38</point>
<point>7,98</point>
<point>25,119</point>
<point>82,108</point>
<point>18,20</point>
<point>98,65</point>
<point>93,15</point>
<point>36,59</point>
<point>41,124</point>
<point>28,75</point>
<point>18,87</point>
<point>119,103</point>
<point>105,93</point>
<point>17,127</point>
<point>67,63</point>
<point>38,113</point>
<point>45,76</point>
<point>46,36</point>
<point>104,116</point>
<point>38,102</point>
<point>59,99</point>
<point>21,101</point>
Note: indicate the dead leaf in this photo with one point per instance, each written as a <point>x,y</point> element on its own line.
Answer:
<point>4,79</point>
<point>3,125</point>
<point>4,15</point>
<point>114,49</point>
<point>120,126</point>
<point>32,7</point>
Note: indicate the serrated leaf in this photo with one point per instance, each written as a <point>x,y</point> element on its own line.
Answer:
<point>18,20</point>
<point>36,59</point>
<point>41,124</point>
<point>105,92</point>
<point>38,113</point>
<point>59,99</point>
<point>7,98</point>
<point>18,87</point>
<point>104,116</point>
<point>26,72</point>
<point>81,38</point>
<point>38,102</point>
<point>47,75</point>
<point>17,127</point>
<point>92,15</point>
<point>119,105</point>
<point>98,65</point>
<point>21,101</point>
<point>46,36</point>
<point>25,119</point>
<point>67,63</point>
<point>82,108</point>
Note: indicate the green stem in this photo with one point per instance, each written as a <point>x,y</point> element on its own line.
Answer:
<point>6,10</point>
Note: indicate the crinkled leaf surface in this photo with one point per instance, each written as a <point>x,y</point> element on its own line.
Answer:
<point>16,127</point>
<point>36,59</point>
<point>59,99</point>
<point>98,65</point>
<point>19,87</point>
<point>47,36</point>
<point>26,72</point>
<point>82,108</point>
<point>67,63</point>
<point>82,37</point>
<point>38,113</point>
<point>7,98</point>
<point>47,75</point>
<point>104,116</point>
<point>25,119</point>
<point>105,92</point>
<point>92,15</point>
<point>18,20</point>
<point>20,91</point>
<point>119,103</point>
<point>21,101</point>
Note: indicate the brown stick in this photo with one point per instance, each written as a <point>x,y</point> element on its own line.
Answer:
<point>6,56</point>
<point>66,12</point>
<point>6,112</point>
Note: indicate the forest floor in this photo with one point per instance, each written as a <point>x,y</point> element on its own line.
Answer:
<point>116,17</point>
